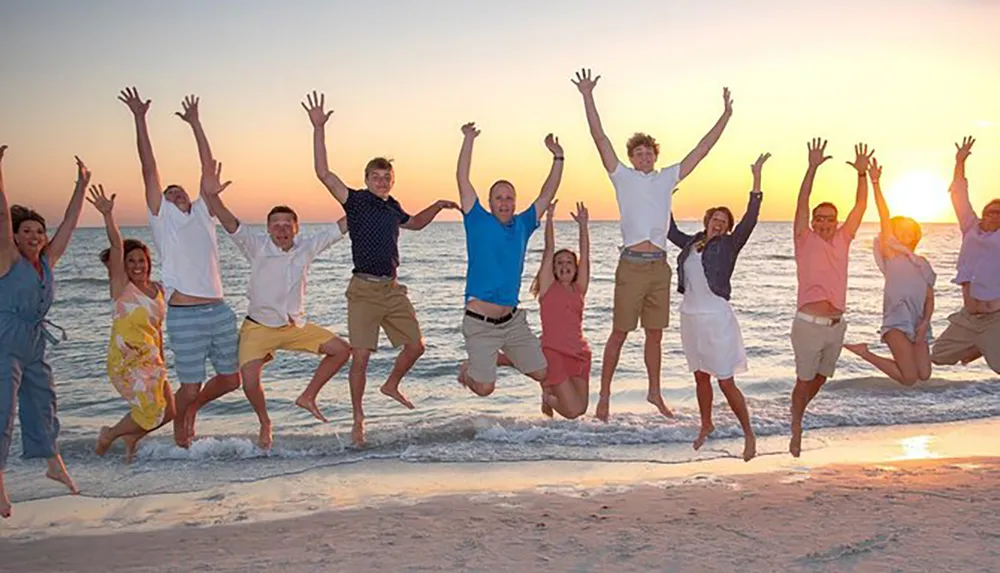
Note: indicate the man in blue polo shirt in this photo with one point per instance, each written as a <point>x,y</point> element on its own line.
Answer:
<point>375,299</point>
<point>496,242</point>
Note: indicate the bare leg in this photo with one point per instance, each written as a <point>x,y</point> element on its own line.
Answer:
<point>405,361</point>
<point>217,387</point>
<point>582,388</point>
<point>186,395</point>
<point>107,436</point>
<point>337,353</point>
<point>703,383</point>
<point>57,471</point>
<point>804,392</point>
<point>612,352</point>
<point>546,398</point>
<point>653,356</point>
<point>5,507</point>
<point>903,367</point>
<point>922,356</point>
<point>564,399</point>
<point>739,407</point>
<point>254,392</point>
<point>478,388</point>
<point>358,378</point>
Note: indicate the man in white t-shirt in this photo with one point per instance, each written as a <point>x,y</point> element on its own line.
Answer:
<point>200,325</point>
<point>279,264</point>
<point>642,280</point>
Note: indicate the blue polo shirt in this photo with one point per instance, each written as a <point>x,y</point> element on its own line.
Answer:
<point>373,224</point>
<point>496,254</point>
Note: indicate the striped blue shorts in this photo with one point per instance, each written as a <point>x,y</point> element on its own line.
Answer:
<point>204,331</point>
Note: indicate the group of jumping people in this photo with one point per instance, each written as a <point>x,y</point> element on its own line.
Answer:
<point>202,328</point>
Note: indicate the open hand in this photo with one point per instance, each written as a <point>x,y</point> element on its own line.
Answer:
<point>584,81</point>
<point>211,179</point>
<point>552,142</point>
<point>550,211</point>
<point>874,170</point>
<point>963,151</point>
<point>190,107</point>
<point>758,165</point>
<point>100,201</point>
<point>862,158</point>
<point>469,130</point>
<point>130,97</point>
<point>444,204</point>
<point>315,109</point>
<point>82,173</point>
<point>727,101</point>
<point>817,149</point>
<point>582,215</point>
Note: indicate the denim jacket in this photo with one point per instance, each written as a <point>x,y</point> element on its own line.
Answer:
<point>719,255</point>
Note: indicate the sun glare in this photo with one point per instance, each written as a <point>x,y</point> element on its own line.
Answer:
<point>920,195</point>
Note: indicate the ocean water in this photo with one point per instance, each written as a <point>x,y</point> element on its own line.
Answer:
<point>451,424</point>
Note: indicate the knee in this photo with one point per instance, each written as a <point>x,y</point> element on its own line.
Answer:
<point>727,385</point>
<point>359,358</point>
<point>539,375</point>
<point>415,349</point>
<point>231,382</point>
<point>654,335</point>
<point>188,391</point>
<point>617,338</point>
<point>336,347</point>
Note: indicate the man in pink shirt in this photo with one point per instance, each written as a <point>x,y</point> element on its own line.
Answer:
<point>821,256</point>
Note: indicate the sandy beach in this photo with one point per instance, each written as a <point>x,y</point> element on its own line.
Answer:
<point>918,498</point>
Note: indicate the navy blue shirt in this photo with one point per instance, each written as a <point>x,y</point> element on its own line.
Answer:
<point>373,224</point>
<point>496,254</point>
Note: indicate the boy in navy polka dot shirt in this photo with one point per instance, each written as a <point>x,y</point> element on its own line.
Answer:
<point>374,297</point>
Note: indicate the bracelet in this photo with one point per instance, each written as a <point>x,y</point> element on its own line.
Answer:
<point>557,158</point>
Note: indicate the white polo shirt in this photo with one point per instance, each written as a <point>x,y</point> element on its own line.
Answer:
<point>644,203</point>
<point>188,249</point>
<point>278,278</point>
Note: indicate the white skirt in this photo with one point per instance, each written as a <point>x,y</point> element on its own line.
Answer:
<point>713,343</point>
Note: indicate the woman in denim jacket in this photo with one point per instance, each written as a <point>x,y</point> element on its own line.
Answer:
<point>710,333</point>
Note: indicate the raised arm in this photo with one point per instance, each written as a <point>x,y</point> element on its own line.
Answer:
<point>116,255</point>
<point>860,164</point>
<point>466,192</point>
<point>211,191</point>
<point>314,107</point>
<point>150,176</point>
<point>424,218</point>
<point>551,184</point>
<point>546,276</point>
<point>585,83</point>
<point>8,250</point>
<point>749,220</point>
<point>885,219</point>
<point>60,241</point>
<point>190,115</point>
<point>582,218</point>
<point>959,189</point>
<point>817,156</point>
<point>708,142</point>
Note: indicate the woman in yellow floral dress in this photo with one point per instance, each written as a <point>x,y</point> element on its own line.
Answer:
<point>136,366</point>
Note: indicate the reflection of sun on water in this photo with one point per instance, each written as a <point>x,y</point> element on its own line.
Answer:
<point>919,194</point>
<point>917,448</point>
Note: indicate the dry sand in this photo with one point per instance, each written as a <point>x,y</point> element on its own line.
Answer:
<point>938,515</point>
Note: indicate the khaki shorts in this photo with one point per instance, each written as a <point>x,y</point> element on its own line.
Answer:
<point>642,290</point>
<point>483,341</point>
<point>371,305</point>
<point>967,332</point>
<point>817,348</point>
<point>259,342</point>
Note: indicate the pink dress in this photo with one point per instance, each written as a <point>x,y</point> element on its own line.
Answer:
<point>563,344</point>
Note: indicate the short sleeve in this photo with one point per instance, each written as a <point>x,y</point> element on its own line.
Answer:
<point>351,203</point>
<point>619,172</point>
<point>323,240</point>
<point>248,242</point>
<point>670,177</point>
<point>529,219</point>
<point>403,215</point>
<point>475,213</point>
<point>200,208</point>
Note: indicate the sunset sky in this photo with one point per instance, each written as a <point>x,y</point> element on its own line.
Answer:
<point>908,77</point>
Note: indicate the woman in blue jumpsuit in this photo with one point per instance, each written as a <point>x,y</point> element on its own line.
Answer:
<point>27,258</point>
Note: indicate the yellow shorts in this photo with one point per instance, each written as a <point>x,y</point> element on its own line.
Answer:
<point>259,342</point>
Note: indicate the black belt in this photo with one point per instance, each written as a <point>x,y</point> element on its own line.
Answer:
<point>490,319</point>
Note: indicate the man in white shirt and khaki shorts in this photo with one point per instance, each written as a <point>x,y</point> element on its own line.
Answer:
<point>279,264</point>
<point>642,280</point>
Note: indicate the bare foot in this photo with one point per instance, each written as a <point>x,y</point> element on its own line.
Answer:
<point>546,407</point>
<point>264,438</point>
<point>749,447</point>
<point>657,400</point>
<point>859,349</point>
<point>60,475</point>
<point>131,447</point>
<point>180,433</point>
<point>104,441</point>
<point>795,444</point>
<point>603,409</point>
<point>358,433</point>
<point>309,404</point>
<point>703,435</point>
<point>393,392</point>
<point>5,507</point>
<point>463,373</point>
